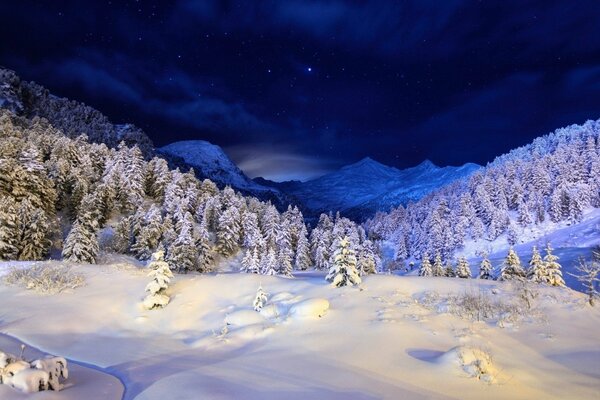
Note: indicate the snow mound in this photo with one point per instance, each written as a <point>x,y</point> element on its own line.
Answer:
<point>244,318</point>
<point>475,362</point>
<point>311,308</point>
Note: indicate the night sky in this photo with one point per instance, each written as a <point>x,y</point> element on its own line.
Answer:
<point>293,89</point>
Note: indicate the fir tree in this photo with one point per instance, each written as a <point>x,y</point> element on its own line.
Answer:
<point>229,231</point>
<point>449,271</point>
<point>9,229</point>
<point>537,271</point>
<point>462,269</point>
<point>425,268</point>
<point>250,262</point>
<point>149,235</point>
<point>485,268</point>
<point>438,267</point>
<point>268,263</point>
<point>205,249</point>
<point>302,260</point>
<point>161,275</point>
<point>343,272</point>
<point>511,268</point>
<point>553,268</point>
<point>260,299</point>
<point>81,244</point>
<point>183,253</point>
<point>367,259</point>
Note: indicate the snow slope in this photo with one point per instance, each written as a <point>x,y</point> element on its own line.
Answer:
<point>391,338</point>
<point>360,190</point>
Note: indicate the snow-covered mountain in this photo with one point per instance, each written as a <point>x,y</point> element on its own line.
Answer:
<point>361,189</point>
<point>28,99</point>
<point>210,161</point>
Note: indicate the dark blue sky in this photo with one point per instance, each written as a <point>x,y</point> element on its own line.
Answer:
<point>293,88</point>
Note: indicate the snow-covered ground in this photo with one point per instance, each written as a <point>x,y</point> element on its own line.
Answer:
<point>392,337</point>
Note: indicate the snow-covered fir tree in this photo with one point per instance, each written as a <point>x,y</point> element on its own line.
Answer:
<point>343,272</point>
<point>268,263</point>
<point>183,253</point>
<point>449,271</point>
<point>205,249</point>
<point>553,268</point>
<point>161,275</point>
<point>462,268</point>
<point>485,268</point>
<point>425,268</point>
<point>511,267</point>
<point>302,260</point>
<point>537,271</point>
<point>81,244</point>
<point>285,253</point>
<point>437,269</point>
<point>251,262</point>
<point>9,229</point>
<point>229,231</point>
<point>260,299</point>
<point>367,258</point>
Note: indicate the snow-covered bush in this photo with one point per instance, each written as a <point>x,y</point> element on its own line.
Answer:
<point>161,277</point>
<point>46,279</point>
<point>28,377</point>
<point>56,367</point>
<point>587,274</point>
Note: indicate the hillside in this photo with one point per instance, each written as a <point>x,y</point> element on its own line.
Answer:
<point>28,99</point>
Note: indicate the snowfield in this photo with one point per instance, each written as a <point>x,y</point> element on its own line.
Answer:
<point>391,337</point>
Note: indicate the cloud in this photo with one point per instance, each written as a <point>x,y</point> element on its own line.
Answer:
<point>279,162</point>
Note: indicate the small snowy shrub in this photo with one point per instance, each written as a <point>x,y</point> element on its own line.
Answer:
<point>39,375</point>
<point>161,277</point>
<point>260,299</point>
<point>46,279</point>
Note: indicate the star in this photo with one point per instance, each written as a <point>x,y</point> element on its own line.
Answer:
<point>309,69</point>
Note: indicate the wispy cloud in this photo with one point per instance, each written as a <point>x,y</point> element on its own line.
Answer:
<point>279,162</point>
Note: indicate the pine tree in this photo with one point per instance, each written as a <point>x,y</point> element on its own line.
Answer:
<point>268,263</point>
<point>149,235</point>
<point>229,231</point>
<point>81,244</point>
<point>183,253</point>
<point>553,268</point>
<point>260,299</point>
<point>367,259</point>
<point>34,230</point>
<point>205,249</point>
<point>302,260</point>
<point>485,268</point>
<point>250,262</point>
<point>449,271</point>
<point>343,272</point>
<point>462,269</point>
<point>161,275</point>
<point>425,268</point>
<point>9,229</point>
<point>285,254</point>
<point>438,267</point>
<point>511,268</point>
<point>537,271</point>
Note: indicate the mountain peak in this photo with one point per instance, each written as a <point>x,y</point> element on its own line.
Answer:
<point>427,164</point>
